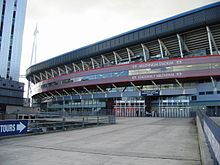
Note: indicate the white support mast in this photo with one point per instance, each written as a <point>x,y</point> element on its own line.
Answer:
<point>33,56</point>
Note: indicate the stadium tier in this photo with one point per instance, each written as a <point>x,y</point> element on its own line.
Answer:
<point>169,68</point>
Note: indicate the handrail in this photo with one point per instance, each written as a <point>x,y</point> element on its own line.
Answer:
<point>212,132</point>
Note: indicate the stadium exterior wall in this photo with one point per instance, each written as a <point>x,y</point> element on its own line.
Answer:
<point>169,68</point>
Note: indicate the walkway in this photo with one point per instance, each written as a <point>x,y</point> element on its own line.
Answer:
<point>132,141</point>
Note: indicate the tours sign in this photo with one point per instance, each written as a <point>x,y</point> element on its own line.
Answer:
<point>13,127</point>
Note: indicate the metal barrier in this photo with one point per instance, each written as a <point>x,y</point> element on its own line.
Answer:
<point>43,122</point>
<point>212,132</point>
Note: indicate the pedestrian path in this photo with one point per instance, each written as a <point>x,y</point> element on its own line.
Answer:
<point>133,141</point>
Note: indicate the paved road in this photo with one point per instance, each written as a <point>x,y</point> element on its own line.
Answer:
<point>132,141</point>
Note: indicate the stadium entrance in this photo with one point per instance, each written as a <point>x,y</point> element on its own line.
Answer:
<point>155,106</point>
<point>178,106</point>
<point>130,107</point>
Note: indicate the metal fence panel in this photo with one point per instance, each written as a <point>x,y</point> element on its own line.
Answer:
<point>212,132</point>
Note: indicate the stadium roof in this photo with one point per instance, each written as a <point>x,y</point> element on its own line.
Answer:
<point>200,17</point>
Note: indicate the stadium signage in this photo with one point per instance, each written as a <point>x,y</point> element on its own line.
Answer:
<point>156,64</point>
<point>160,75</point>
<point>13,127</point>
<point>150,93</point>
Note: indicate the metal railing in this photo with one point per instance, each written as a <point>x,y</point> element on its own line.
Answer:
<point>45,122</point>
<point>212,132</point>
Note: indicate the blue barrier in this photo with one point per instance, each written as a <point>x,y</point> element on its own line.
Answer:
<point>212,132</point>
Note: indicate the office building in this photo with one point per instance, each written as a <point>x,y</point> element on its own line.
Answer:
<point>11,33</point>
<point>12,19</point>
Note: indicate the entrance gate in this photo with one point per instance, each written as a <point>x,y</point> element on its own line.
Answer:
<point>176,107</point>
<point>129,108</point>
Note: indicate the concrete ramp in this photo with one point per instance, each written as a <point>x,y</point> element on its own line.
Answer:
<point>133,141</point>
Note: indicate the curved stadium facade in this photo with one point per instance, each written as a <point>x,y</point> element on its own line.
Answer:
<point>169,68</point>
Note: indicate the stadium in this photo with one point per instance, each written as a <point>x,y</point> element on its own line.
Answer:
<point>169,68</point>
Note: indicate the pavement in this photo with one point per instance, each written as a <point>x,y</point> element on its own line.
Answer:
<point>132,141</point>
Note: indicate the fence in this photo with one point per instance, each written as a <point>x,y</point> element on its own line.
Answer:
<point>43,122</point>
<point>212,132</point>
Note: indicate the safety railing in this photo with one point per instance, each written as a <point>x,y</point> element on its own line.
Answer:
<point>212,133</point>
<point>44,122</point>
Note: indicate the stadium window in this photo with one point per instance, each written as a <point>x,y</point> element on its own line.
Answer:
<point>201,93</point>
<point>193,98</point>
<point>209,92</point>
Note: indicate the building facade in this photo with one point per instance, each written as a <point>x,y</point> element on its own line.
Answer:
<point>12,17</point>
<point>11,32</point>
<point>11,95</point>
<point>169,68</point>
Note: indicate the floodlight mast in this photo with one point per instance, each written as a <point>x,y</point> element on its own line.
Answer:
<point>32,62</point>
